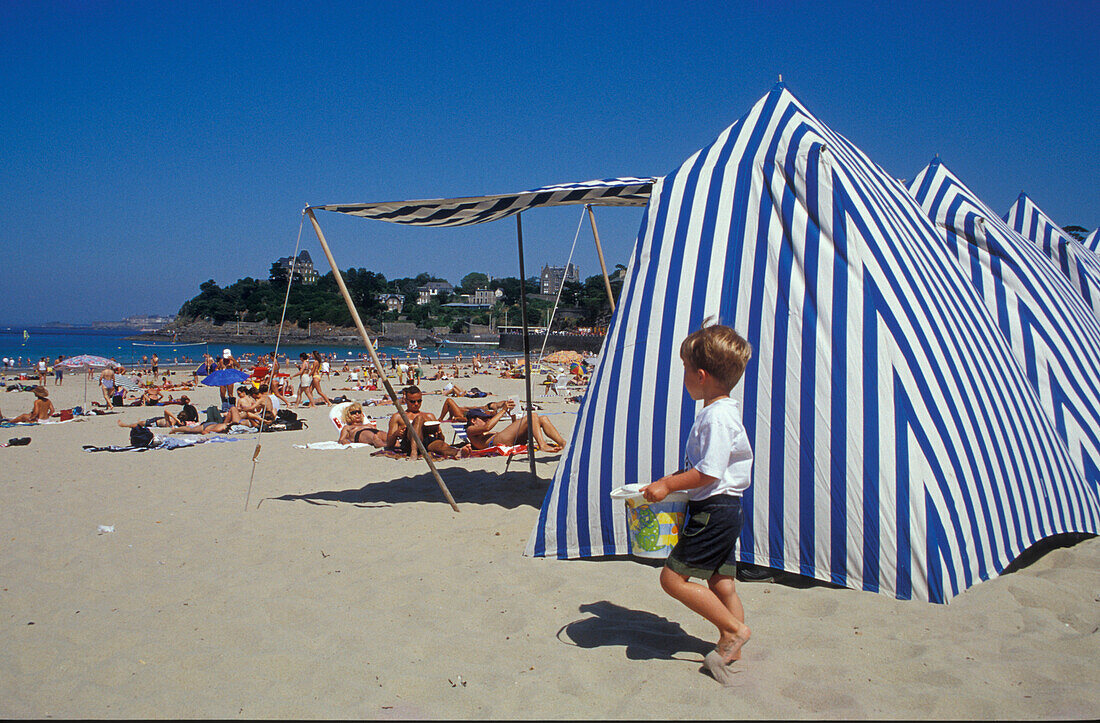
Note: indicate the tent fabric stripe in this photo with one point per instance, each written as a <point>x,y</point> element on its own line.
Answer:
<point>1053,333</point>
<point>480,209</point>
<point>892,428</point>
<point>1092,241</point>
<point>1080,265</point>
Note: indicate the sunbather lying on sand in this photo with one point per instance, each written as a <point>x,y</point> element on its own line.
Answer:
<point>479,428</point>
<point>452,410</point>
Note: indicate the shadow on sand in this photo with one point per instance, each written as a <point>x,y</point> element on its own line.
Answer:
<point>645,636</point>
<point>507,489</point>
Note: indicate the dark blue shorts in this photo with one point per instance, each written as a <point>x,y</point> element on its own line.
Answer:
<point>707,543</point>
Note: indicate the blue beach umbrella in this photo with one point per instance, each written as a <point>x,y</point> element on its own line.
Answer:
<point>225,377</point>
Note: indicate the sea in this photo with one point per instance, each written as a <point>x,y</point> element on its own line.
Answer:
<point>28,344</point>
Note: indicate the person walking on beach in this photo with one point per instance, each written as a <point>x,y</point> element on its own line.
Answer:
<point>273,382</point>
<point>226,391</point>
<point>318,366</point>
<point>107,385</point>
<point>717,472</point>
<point>58,372</point>
<point>305,379</point>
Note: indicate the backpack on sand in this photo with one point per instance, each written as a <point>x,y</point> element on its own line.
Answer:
<point>141,437</point>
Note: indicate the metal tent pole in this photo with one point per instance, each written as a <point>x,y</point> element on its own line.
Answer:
<point>526,347</point>
<point>378,364</point>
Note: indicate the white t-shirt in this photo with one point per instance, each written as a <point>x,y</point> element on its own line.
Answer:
<point>718,446</point>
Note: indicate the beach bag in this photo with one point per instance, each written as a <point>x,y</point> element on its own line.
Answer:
<point>65,415</point>
<point>213,415</point>
<point>286,415</point>
<point>141,437</point>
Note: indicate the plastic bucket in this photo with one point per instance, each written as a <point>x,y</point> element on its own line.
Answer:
<point>653,527</point>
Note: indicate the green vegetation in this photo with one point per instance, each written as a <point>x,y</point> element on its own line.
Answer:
<point>582,305</point>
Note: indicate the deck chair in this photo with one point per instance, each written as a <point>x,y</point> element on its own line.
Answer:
<point>336,414</point>
<point>459,434</point>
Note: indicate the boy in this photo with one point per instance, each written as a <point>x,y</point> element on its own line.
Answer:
<point>718,469</point>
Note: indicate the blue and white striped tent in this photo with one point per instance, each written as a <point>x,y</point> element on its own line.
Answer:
<point>1053,333</point>
<point>899,446</point>
<point>1092,241</point>
<point>1081,266</point>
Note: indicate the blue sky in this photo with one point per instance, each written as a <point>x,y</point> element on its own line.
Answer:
<point>148,147</point>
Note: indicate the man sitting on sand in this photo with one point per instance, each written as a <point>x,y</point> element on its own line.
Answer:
<point>426,425</point>
<point>42,408</point>
<point>479,427</point>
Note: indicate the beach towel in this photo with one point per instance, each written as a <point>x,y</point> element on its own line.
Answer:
<point>500,450</point>
<point>330,445</point>
<point>162,443</point>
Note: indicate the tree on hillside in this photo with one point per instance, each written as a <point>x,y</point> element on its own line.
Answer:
<point>511,288</point>
<point>473,281</point>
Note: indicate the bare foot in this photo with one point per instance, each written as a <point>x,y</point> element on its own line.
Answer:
<point>729,646</point>
<point>718,667</point>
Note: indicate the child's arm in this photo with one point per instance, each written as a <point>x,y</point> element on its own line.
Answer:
<point>687,479</point>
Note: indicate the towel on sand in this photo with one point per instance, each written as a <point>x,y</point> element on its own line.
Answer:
<point>162,443</point>
<point>330,445</point>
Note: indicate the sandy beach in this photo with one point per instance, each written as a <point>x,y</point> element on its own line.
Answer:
<point>349,589</point>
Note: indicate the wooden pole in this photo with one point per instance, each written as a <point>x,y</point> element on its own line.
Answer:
<point>377,363</point>
<point>526,347</point>
<point>599,251</point>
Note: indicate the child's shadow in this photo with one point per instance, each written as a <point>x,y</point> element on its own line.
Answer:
<point>644,635</point>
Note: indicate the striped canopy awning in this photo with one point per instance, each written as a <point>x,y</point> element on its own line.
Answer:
<point>479,209</point>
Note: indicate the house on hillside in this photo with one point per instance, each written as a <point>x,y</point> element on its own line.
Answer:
<point>392,302</point>
<point>303,267</point>
<point>552,276</point>
<point>433,288</point>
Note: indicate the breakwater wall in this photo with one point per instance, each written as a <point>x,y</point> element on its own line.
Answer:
<point>557,342</point>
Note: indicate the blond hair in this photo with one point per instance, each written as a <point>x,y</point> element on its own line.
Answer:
<point>719,351</point>
<point>349,409</point>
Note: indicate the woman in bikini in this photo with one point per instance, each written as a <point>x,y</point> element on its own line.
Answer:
<point>305,379</point>
<point>315,371</point>
<point>479,430</point>
<point>356,431</point>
